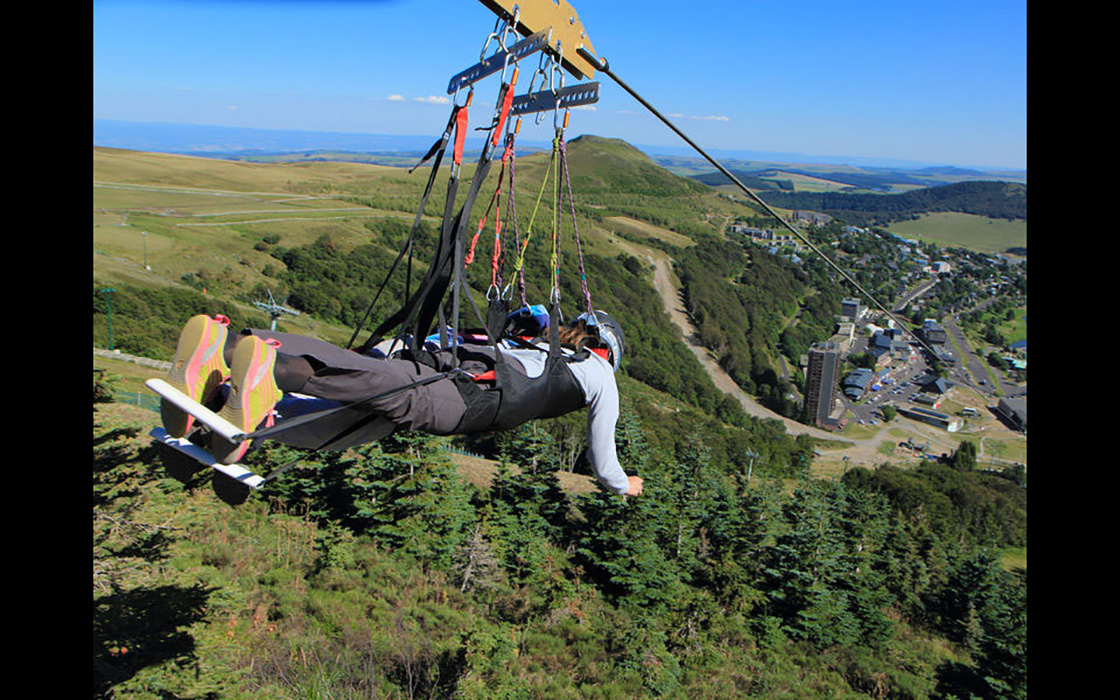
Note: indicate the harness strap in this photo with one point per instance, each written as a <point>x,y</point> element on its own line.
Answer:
<point>461,119</point>
<point>289,423</point>
<point>507,101</point>
<point>438,149</point>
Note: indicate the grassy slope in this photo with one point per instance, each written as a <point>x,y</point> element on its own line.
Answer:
<point>193,598</point>
<point>235,591</point>
<point>976,233</point>
<point>204,215</point>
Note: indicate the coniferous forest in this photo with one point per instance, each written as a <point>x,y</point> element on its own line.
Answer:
<point>384,573</point>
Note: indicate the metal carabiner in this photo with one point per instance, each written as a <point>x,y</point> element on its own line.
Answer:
<point>455,97</point>
<point>557,68</point>
<point>493,35</point>
<point>510,27</point>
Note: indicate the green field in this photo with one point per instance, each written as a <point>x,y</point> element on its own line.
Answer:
<point>977,233</point>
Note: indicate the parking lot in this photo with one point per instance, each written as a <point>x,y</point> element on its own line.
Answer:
<point>902,386</point>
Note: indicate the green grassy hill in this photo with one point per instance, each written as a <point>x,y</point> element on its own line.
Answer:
<point>216,236</point>
<point>400,570</point>
<point>951,229</point>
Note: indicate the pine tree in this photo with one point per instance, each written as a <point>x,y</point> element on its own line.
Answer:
<point>618,547</point>
<point>904,572</point>
<point>1001,650</point>
<point>789,572</point>
<point>823,576</point>
<point>690,506</point>
<point>530,446</point>
<point>964,458</point>
<point>741,524</point>
<point>521,531</point>
<point>415,501</point>
<point>984,607</point>
<point>476,563</point>
<point>865,527</point>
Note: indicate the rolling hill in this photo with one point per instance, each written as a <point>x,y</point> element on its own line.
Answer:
<point>996,200</point>
<point>218,235</point>
<point>383,572</point>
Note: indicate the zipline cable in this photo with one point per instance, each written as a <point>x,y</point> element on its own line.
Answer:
<point>602,65</point>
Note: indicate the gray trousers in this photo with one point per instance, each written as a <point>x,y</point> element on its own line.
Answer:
<point>346,377</point>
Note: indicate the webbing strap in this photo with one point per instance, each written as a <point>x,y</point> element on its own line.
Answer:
<point>438,149</point>
<point>461,120</point>
<point>503,112</point>
<point>289,423</point>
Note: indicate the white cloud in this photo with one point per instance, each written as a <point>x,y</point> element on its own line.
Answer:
<point>396,98</point>
<point>434,100</point>
<point>695,117</point>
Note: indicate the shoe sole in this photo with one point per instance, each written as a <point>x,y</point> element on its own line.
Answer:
<point>253,394</point>
<point>197,370</point>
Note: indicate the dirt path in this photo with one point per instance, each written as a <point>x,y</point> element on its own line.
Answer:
<point>667,285</point>
<point>867,451</point>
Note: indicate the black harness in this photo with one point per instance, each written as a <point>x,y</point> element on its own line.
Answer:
<point>517,398</point>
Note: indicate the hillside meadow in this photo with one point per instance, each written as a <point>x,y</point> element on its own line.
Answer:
<point>398,570</point>
<point>951,229</point>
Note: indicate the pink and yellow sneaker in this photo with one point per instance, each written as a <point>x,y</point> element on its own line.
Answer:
<point>197,369</point>
<point>252,394</point>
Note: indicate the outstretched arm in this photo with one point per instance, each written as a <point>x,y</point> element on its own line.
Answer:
<point>602,417</point>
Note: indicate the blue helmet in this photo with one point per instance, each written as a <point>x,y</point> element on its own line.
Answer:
<point>531,319</point>
<point>609,332</point>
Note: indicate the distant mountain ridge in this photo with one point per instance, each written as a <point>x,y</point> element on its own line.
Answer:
<point>884,180</point>
<point>997,200</point>
<point>244,143</point>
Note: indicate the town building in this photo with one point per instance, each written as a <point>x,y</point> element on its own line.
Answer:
<point>887,346</point>
<point>851,309</point>
<point>857,382</point>
<point>1014,411</point>
<point>821,380</point>
<point>941,420</point>
<point>932,332</point>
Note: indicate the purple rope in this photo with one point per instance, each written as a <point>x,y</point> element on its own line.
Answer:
<point>511,213</point>
<point>575,228</point>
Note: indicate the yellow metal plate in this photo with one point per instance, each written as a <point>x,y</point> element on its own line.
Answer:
<point>568,33</point>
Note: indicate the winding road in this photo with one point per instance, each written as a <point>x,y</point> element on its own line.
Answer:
<point>667,285</point>
<point>862,451</point>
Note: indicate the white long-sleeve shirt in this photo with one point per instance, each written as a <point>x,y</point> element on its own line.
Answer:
<point>596,377</point>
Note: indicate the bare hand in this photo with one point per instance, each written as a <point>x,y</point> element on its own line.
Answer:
<point>635,486</point>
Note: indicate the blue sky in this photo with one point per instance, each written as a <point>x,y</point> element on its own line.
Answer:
<point>934,82</point>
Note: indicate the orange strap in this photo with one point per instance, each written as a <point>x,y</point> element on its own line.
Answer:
<point>460,134</point>
<point>507,100</point>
